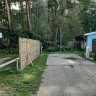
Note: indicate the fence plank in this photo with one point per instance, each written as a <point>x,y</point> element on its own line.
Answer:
<point>28,51</point>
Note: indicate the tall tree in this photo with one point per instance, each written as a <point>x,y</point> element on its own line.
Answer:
<point>8,13</point>
<point>28,10</point>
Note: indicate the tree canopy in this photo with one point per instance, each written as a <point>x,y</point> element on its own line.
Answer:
<point>42,20</point>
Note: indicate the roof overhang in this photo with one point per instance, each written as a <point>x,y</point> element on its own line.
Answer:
<point>84,36</point>
<point>80,37</point>
<point>87,34</point>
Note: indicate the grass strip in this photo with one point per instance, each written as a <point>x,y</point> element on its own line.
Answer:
<point>26,82</point>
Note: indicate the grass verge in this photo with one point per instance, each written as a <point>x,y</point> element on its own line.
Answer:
<point>8,55</point>
<point>26,82</point>
<point>80,53</point>
<point>64,52</point>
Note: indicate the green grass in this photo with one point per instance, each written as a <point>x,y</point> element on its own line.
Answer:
<point>64,52</point>
<point>71,66</point>
<point>26,82</point>
<point>13,52</point>
<point>8,55</point>
<point>90,54</point>
<point>80,53</point>
<point>57,52</point>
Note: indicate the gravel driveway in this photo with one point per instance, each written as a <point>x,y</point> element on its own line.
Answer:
<point>68,75</point>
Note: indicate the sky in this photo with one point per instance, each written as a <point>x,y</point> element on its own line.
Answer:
<point>15,6</point>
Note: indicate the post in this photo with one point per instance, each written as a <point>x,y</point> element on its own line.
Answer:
<point>41,48</point>
<point>0,35</point>
<point>87,52</point>
<point>17,65</point>
<point>83,53</point>
<point>90,29</point>
<point>60,39</point>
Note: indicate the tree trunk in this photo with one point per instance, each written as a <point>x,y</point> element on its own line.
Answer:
<point>48,15</point>
<point>22,10</point>
<point>8,13</point>
<point>56,39</point>
<point>28,14</point>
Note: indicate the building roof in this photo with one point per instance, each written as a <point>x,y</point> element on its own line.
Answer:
<point>87,34</point>
<point>82,37</point>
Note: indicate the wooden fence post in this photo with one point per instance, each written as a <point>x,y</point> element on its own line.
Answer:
<point>17,65</point>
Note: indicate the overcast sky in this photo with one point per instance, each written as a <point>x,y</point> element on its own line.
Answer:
<point>15,6</point>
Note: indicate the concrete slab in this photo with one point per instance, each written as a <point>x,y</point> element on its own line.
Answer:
<point>68,75</point>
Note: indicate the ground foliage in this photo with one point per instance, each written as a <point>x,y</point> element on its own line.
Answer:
<point>25,82</point>
<point>75,17</point>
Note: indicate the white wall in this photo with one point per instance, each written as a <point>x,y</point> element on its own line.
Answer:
<point>83,44</point>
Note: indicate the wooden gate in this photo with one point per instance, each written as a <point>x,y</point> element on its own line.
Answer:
<point>93,45</point>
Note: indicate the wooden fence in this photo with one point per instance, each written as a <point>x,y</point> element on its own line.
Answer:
<point>28,51</point>
<point>93,45</point>
<point>9,62</point>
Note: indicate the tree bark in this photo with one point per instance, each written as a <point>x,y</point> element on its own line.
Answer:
<point>28,14</point>
<point>22,10</point>
<point>8,13</point>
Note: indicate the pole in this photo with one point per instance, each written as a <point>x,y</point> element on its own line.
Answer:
<point>17,65</point>
<point>90,29</point>
<point>60,39</point>
<point>41,48</point>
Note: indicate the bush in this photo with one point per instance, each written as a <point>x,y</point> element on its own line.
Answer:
<point>64,48</point>
<point>68,48</point>
<point>10,51</point>
<point>14,51</point>
<point>50,49</point>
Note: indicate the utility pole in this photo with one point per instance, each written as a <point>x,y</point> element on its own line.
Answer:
<point>0,35</point>
<point>60,39</point>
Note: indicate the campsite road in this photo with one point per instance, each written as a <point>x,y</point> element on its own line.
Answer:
<point>68,75</point>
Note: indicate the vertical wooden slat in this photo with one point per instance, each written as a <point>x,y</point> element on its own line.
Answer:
<point>20,52</point>
<point>28,51</point>
<point>17,65</point>
<point>93,45</point>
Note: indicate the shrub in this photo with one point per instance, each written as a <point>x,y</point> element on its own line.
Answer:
<point>50,49</point>
<point>10,51</point>
<point>68,48</point>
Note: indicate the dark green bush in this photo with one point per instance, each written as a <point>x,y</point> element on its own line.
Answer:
<point>14,51</point>
<point>68,48</point>
<point>65,48</point>
<point>50,49</point>
<point>10,51</point>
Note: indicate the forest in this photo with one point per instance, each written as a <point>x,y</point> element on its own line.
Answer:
<point>61,69</point>
<point>44,20</point>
